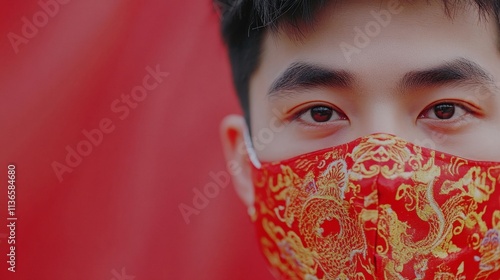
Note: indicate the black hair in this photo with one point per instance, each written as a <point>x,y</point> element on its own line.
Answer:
<point>244,22</point>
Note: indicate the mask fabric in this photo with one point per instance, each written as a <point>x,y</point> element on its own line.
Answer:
<point>379,208</point>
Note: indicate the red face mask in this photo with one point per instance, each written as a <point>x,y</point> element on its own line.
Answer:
<point>379,208</point>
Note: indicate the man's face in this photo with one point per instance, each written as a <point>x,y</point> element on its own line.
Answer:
<point>380,66</point>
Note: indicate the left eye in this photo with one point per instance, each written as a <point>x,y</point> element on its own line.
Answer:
<point>444,111</point>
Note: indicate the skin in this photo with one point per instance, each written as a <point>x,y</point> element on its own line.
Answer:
<point>419,37</point>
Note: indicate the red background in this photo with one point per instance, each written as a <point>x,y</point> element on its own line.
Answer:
<point>119,208</point>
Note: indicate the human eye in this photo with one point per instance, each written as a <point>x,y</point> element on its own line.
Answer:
<point>319,114</point>
<point>450,114</point>
<point>444,111</point>
<point>447,110</point>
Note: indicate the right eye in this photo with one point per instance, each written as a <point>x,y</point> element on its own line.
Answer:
<point>320,114</point>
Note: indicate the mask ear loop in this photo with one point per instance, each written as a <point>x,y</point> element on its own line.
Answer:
<point>250,150</point>
<point>256,163</point>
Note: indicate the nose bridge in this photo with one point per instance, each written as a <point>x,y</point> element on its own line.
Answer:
<point>383,115</point>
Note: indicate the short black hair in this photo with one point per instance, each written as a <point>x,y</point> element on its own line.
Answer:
<point>244,22</point>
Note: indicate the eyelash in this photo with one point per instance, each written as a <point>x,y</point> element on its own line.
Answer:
<point>296,116</point>
<point>470,109</point>
<point>467,107</point>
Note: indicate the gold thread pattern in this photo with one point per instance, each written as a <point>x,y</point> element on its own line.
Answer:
<point>379,208</point>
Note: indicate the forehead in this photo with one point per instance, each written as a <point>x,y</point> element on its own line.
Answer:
<point>389,17</point>
<point>373,38</point>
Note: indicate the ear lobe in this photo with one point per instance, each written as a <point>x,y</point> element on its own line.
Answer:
<point>232,132</point>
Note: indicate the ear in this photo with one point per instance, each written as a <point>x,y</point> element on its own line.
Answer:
<point>232,130</point>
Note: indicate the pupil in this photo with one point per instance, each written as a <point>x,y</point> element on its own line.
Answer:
<point>321,114</point>
<point>444,111</point>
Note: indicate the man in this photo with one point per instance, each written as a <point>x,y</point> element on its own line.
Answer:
<point>369,147</point>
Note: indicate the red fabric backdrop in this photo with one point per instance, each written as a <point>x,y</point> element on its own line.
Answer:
<point>115,212</point>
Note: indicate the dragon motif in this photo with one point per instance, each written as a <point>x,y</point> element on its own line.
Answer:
<point>379,208</point>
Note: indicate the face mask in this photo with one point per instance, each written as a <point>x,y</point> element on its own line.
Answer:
<point>378,208</point>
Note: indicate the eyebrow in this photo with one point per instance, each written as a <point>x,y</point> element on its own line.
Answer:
<point>300,76</point>
<point>460,71</point>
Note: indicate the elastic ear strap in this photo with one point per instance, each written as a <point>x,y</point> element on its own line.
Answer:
<point>250,150</point>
